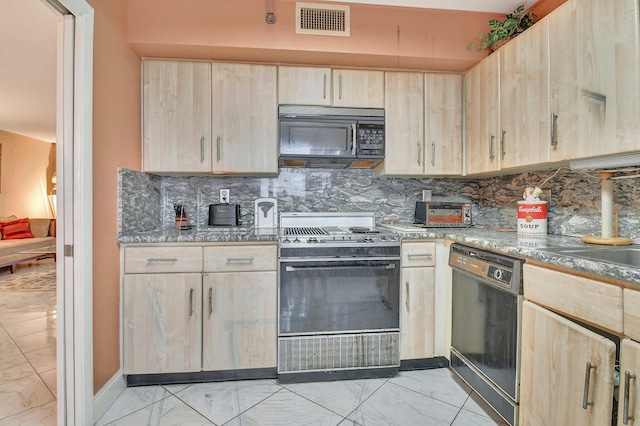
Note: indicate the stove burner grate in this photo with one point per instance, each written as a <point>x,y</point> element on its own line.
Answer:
<point>306,230</point>
<point>363,230</point>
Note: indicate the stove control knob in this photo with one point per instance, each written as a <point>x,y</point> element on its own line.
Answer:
<point>498,274</point>
<point>286,240</point>
<point>296,240</point>
<point>312,240</point>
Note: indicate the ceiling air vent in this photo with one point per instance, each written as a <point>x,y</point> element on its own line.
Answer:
<point>322,19</point>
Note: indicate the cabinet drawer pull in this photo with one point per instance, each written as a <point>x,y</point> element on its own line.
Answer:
<point>161,259</point>
<point>210,300</point>
<point>412,255</point>
<point>340,86</point>
<point>191,302</point>
<point>491,156</point>
<point>406,302</point>
<point>219,145</point>
<point>587,380</point>
<point>419,152</point>
<point>324,88</point>
<point>502,151</point>
<point>240,259</point>
<point>433,153</point>
<point>625,409</point>
<point>202,149</point>
<point>554,133</point>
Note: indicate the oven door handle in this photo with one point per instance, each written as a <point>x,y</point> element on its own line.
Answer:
<point>333,268</point>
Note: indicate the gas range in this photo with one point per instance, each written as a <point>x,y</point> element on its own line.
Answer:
<point>335,229</point>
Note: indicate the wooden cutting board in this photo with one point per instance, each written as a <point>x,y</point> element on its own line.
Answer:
<point>615,241</point>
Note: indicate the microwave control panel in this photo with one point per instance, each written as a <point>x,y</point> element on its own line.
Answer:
<point>370,139</point>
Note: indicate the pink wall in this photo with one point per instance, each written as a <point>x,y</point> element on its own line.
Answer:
<point>116,143</point>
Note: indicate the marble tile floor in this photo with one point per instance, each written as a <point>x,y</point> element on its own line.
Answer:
<point>425,398</point>
<point>27,354</point>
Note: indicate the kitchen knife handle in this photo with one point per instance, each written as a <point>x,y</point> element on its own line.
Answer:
<point>210,300</point>
<point>191,302</point>
<point>587,380</point>
<point>491,138</point>
<point>219,155</point>
<point>419,152</point>
<point>202,149</point>
<point>625,408</point>
<point>554,126</point>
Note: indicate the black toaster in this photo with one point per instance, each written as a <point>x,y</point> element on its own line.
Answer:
<point>224,214</point>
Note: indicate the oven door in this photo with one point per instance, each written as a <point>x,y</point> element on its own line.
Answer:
<point>485,329</point>
<point>332,296</point>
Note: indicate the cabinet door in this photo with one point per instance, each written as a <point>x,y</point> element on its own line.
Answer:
<point>443,124</point>
<point>524,99</point>
<point>358,89</point>
<point>404,124</point>
<point>304,86</point>
<point>482,102</point>
<point>176,116</point>
<point>162,323</point>
<point>240,317</point>
<point>553,385</point>
<point>629,399</point>
<point>417,314</point>
<point>245,119</point>
<point>594,78</point>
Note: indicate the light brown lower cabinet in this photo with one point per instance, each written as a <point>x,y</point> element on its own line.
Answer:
<point>629,399</point>
<point>239,320</point>
<point>162,323</point>
<point>567,371</point>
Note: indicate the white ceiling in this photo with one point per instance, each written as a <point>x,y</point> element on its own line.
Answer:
<point>28,31</point>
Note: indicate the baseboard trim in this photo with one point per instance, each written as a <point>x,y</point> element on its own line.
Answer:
<point>108,394</point>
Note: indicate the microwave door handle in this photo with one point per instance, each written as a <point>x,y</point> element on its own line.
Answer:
<point>353,139</point>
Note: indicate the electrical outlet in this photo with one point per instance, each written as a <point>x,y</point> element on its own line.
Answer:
<point>224,196</point>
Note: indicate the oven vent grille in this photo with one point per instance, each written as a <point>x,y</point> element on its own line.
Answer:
<point>305,230</point>
<point>326,353</point>
<point>322,19</point>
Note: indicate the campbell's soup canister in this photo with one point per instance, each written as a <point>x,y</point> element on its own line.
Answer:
<point>532,217</point>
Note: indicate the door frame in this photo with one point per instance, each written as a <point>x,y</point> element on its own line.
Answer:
<point>74,122</point>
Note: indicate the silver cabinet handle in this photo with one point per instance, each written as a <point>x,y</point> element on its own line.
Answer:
<point>324,88</point>
<point>202,149</point>
<point>340,86</point>
<point>554,133</point>
<point>160,259</point>
<point>240,259</point>
<point>210,300</point>
<point>433,153</point>
<point>625,408</point>
<point>502,151</point>
<point>354,138</point>
<point>419,152</point>
<point>191,302</point>
<point>491,138</point>
<point>587,380</point>
<point>406,303</point>
<point>219,143</point>
<point>412,255</point>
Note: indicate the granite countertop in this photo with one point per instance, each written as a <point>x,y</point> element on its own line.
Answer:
<point>508,243</point>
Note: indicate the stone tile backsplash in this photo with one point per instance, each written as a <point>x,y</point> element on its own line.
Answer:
<point>146,201</point>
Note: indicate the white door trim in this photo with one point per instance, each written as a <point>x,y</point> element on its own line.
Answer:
<point>75,215</point>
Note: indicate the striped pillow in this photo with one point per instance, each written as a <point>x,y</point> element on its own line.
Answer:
<point>16,229</point>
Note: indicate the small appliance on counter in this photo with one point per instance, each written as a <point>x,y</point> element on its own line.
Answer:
<point>224,214</point>
<point>265,214</point>
<point>447,213</point>
<point>182,218</point>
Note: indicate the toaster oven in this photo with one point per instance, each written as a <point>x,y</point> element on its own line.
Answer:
<point>443,214</point>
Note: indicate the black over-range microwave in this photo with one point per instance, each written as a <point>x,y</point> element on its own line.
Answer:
<point>331,137</point>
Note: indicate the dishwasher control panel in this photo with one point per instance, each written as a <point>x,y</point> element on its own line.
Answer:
<point>502,271</point>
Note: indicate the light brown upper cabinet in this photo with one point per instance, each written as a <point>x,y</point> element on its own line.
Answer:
<point>524,138</point>
<point>595,91</point>
<point>404,124</point>
<point>244,119</point>
<point>176,116</point>
<point>327,87</point>
<point>482,120</point>
<point>443,124</point>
